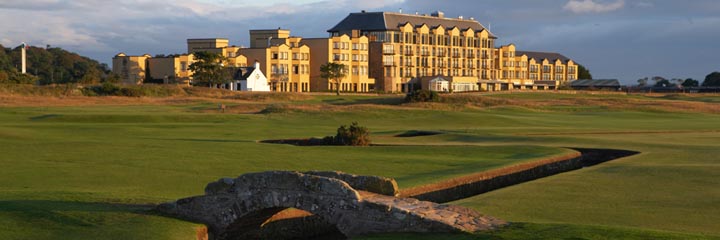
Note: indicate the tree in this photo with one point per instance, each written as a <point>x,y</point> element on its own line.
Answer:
<point>584,73</point>
<point>712,80</point>
<point>661,81</point>
<point>642,82</point>
<point>208,69</point>
<point>334,72</point>
<point>690,83</point>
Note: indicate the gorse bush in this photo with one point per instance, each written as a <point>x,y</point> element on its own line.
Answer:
<point>422,96</point>
<point>110,89</point>
<point>354,135</point>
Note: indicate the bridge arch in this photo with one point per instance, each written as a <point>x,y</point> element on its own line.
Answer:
<point>231,207</point>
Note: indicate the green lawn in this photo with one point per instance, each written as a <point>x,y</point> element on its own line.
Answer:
<point>80,172</point>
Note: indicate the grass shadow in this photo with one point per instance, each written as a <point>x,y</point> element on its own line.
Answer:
<point>372,101</point>
<point>53,211</point>
<point>46,116</point>
<point>202,140</point>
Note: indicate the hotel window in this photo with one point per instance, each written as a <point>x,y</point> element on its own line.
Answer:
<point>336,45</point>
<point>558,77</point>
<point>558,69</point>
<point>274,55</point>
<point>355,71</point>
<point>388,60</point>
<point>355,46</point>
<point>337,57</point>
<point>388,49</point>
<point>546,76</point>
<point>571,69</point>
<point>183,66</point>
<point>273,69</point>
<point>546,68</point>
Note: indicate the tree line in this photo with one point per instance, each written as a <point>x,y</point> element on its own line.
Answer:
<point>711,80</point>
<point>51,65</point>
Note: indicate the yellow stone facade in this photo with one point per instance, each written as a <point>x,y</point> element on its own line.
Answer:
<point>131,69</point>
<point>352,52</point>
<point>384,51</point>
<point>171,69</point>
<point>285,61</point>
<point>423,51</point>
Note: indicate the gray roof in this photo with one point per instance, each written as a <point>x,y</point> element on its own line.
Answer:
<point>383,21</point>
<point>595,83</point>
<point>243,73</point>
<point>539,56</point>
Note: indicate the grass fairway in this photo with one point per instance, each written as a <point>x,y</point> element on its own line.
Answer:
<point>84,172</point>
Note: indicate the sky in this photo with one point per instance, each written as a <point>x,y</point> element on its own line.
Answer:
<point>622,39</point>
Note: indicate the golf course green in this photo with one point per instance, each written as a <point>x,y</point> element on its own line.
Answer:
<point>93,171</point>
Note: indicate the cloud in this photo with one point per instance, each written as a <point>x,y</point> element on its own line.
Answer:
<point>590,6</point>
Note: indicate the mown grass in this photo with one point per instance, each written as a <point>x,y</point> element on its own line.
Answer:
<point>523,231</point>
<point>80,171</point>
<point>83,169</point>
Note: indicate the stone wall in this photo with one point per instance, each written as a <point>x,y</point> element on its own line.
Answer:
<point>464,187</point>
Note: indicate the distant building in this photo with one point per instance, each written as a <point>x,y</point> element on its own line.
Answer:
<point>383,51</point>
<point>250,79</point>
<point>548,66</point>
<point>131,69</point>
<point>283,58</point>
<point>406,46</point>
<point>445,84</point>
<point>344,49</point>
<point>171,69</point>
<point>218,46</point>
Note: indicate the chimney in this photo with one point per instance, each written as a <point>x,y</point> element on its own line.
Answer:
<point>460,17</point>
<point>256,65</point>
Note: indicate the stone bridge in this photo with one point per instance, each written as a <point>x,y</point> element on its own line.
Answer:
<point>355,205</point>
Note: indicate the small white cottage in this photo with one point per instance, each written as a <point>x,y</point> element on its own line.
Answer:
<point>250,79</point>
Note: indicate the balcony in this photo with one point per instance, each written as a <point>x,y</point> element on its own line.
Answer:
<point>389,51</point>
<point>409,53</point>
<point>388,63</point>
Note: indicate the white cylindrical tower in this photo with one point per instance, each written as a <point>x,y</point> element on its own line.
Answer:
<point>23,57</point>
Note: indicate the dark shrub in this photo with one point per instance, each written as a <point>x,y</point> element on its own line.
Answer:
<point>422,96</point>
<point>275,108</point>
<point>355,135</point>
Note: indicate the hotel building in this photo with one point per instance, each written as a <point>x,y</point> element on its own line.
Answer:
<point>171,69</point>
<point>131,69</point>
<point>406,46</point>
<point>344,49</point>
<point>383,51</point>
<point>283,58</point>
